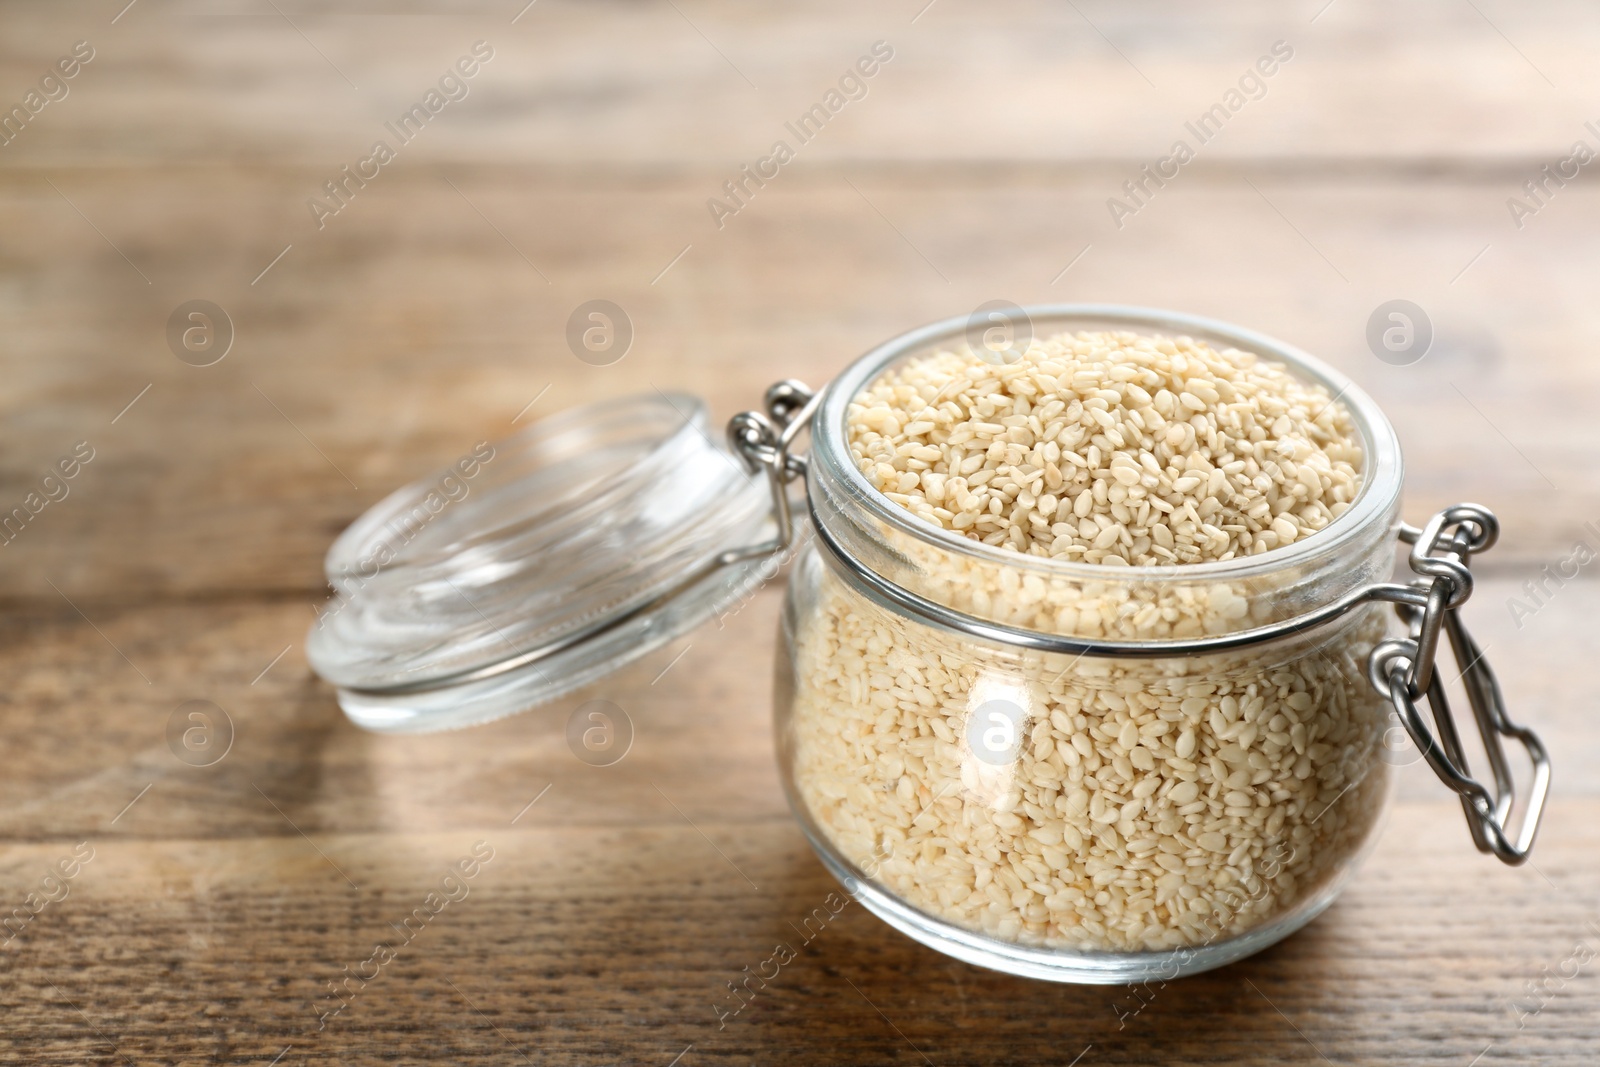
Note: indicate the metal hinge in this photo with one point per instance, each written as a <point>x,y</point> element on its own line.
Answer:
<point>1405,672</point>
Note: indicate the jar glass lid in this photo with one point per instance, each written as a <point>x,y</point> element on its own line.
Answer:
<point>537,565</point>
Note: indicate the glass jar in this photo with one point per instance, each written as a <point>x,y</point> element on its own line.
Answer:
<point>1065,814</point>
<point>1070,771</point>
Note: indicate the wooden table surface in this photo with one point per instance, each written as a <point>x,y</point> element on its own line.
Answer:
<point>184,563</point>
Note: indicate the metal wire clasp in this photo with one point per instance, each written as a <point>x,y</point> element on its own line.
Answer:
<point>762,443</point>
<point>1403,670</point>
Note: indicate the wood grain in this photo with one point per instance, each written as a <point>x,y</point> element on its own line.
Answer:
<point>185,563</point>
<point>387,345</point>
<point>221,903</point>
<point>653,86</point>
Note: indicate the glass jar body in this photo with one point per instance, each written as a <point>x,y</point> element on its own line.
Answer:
<point>1007,756</point>
<point>1080,819</point>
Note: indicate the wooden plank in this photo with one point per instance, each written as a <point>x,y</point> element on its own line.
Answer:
<point>387,344</point>
<point>285,719</point>
<point>657,86</point>
<point>222,900</point>
<point>89,702</point>
<point>615,944</point>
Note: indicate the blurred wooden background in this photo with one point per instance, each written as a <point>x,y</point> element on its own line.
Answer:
<point>185,561</point>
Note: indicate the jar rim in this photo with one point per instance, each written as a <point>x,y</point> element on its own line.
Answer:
<point>1381,476</point>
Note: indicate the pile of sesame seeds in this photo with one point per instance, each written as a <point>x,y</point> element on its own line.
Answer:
<point>1110,447</point>
<point>1152,804</point>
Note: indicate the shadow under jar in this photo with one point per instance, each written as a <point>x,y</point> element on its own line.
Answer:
<point>1073,771</point>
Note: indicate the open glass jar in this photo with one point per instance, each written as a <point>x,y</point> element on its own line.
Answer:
<point>1057,769</point>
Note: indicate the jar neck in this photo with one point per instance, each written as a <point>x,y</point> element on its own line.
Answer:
<point>1091,601</point>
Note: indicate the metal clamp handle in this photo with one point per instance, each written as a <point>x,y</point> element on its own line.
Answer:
<point>1403,670</point>
<point>761,441</point>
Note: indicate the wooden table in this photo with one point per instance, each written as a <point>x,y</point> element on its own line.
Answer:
<point>430,312</point>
